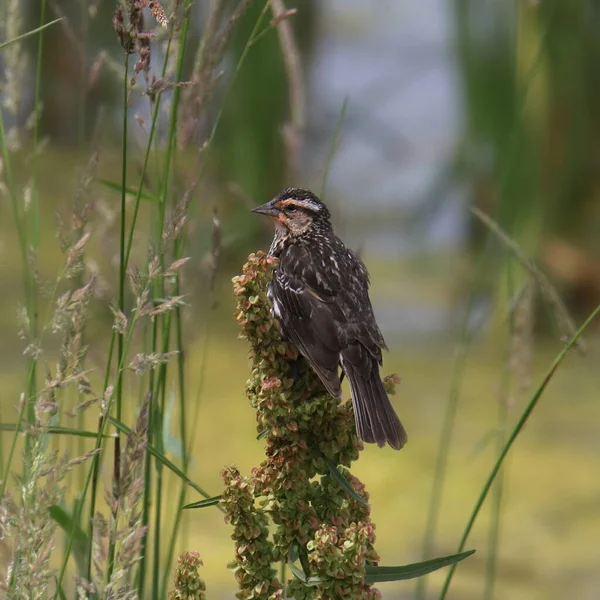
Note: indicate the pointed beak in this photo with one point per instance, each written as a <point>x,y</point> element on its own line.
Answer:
<point>267,209</point>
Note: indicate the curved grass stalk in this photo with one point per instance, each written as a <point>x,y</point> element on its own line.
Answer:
<point>25,35</point>
<point>449,418</point>
<point>512,438</point>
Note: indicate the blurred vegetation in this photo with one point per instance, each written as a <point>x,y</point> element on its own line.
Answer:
<point>81,97</point>
<point>532,130</point>
<point>528,79</point>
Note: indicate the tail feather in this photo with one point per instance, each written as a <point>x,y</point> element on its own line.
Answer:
<point>376,420</point>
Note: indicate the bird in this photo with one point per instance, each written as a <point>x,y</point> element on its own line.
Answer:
<point>319,294</point>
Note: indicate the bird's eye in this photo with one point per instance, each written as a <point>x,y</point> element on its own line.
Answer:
<point>291,208</point>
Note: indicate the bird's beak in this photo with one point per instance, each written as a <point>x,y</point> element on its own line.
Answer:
<point>267,209</point>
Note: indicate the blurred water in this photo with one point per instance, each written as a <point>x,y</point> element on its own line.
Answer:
<point>393,59</point>
<point>395,64</point>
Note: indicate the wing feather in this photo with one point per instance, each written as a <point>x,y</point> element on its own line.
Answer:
<point>320,297</point>
<point>306,315</point>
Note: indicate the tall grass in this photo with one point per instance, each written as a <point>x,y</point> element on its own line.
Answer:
<point>157,305</point>
<point>500,118</point>
<point>153,302</point>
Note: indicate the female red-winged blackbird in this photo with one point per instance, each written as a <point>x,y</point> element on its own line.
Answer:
<point>320,296</point>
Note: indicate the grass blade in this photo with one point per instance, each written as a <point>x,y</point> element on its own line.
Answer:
<point>262,434</point>
<point>382,574</point>
<point>28,33</point>
<point>203,503</point>
<point>344,483</point>
<point>118,187</point>
<point>81,542</point>
<point>512,438</point>
<point>56,430</point>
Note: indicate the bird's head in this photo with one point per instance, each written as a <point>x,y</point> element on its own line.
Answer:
<point>296,211</point>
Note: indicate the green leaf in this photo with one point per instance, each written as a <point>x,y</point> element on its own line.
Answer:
<point>344,483</point>
<point>513,437</point>
<point>56,430</point>
<point>262,434</point>
<point>204,503</point>
<point>81,543</point>
<point>293,555</point>
<point>28,33</point>
<point>298,573</point>
<point>381,574</point>
<point>307,581</point>
<point>128,190</point>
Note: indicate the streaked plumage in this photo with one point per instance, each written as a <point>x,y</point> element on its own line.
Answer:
<point>319,294</point>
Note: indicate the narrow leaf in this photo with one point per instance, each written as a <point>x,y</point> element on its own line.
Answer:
<point>381,574</point>
<point>512,438</point>
<point>262,434</point>
<point>81,544</point>
<point>307,581</point>
<point>204,503</point>
<point>128,190</point>
<point>299,573</point>
<point>28,33</point>
<point>344,483</point>
<point>56,430</point>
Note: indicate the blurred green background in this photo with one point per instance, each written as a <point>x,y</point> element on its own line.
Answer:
<point>451,104</point>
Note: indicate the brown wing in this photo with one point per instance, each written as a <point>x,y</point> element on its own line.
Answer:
<point>304,300</point>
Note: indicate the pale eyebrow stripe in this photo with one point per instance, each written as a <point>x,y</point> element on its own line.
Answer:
<point>291,201</point>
